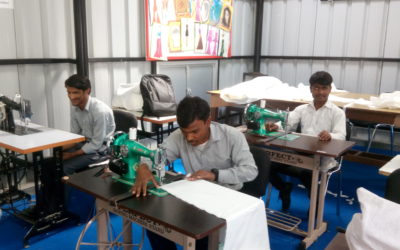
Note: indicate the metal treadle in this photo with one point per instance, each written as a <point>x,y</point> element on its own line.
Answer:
<point>282,220</point>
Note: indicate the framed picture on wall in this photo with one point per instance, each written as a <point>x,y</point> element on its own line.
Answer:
<point>188,29</point>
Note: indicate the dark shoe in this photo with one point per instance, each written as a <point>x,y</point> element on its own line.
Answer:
<point>284,195</point>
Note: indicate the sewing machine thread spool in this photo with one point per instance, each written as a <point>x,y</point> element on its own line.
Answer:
<point>132,134</point>
<point>263,104</point>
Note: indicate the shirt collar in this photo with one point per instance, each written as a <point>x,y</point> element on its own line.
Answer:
<point>214,135</point>
<point>87,106</point>
<point>327,105</point>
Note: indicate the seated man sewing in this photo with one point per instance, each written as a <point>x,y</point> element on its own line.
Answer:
<point>209,151</point>
<point>319,118</point>
<point>91,118</point>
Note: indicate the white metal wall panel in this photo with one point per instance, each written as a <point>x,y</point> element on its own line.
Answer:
<point>390,77</point>
<point>339,29</point>
<point>323,35</point>
<point>57,33</point>
<point>98,28</point>
<point>32,84</point>
<point>374,37</point>
<point>243,25</point>
<point>7,34</point>
<point>334,29</point>
<point>233,71</point>
<point>28,29</point>
<point>291,29</point>
<point>58,104</point>
<point>102,80</point>
<point>136,28</point>
<point>276,28</point>
<point>9,85</point>
<point>306,23</point>
<point>119,28</point>
<point>392,45</point>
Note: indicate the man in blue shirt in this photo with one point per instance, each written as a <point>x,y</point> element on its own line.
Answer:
<point>91,118</point>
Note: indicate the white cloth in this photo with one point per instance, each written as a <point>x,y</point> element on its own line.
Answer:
<point>387,100</point>
<point>246,223</point>
<point>377,226</point>
<point>128,96</point>
<point>267,87</point>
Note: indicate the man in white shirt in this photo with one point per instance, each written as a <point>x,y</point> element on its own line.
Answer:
<point>319,118</point>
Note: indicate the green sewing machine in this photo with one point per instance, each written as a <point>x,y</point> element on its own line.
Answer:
<point>256,117</point>
<point>126,156</point>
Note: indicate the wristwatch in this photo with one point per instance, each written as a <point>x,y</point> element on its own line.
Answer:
<point>216,173</point>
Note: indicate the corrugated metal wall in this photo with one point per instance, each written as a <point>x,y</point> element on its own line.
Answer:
<point>44,29</point>
<point>358,28</point>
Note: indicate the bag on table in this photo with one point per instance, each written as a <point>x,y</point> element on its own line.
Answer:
<point>158,95</point>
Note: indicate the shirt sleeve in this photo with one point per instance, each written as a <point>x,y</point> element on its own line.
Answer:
<point>244,168</point>
<point>294,119</point>
<point>171,146</point>
<point>339,125</point>
<point>99,134</point>
<point>75,128</point>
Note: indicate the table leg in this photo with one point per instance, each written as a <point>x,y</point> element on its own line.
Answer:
<point>313,202</point>
<point>127,233</point>
<point>213,240</point>
<point>321,199</point>
<point>189,243</point>
<point>102,226</point>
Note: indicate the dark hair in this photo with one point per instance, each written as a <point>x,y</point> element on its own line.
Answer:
<point>78,82</point>
<point>321,77</point>
<point>192,108</point>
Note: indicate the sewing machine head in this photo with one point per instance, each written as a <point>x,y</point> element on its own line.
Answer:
<point>126,156</point>
<point>256,117</point>
<point>21,105</point>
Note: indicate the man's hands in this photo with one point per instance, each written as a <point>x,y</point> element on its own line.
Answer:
<point>324,136</point>
<point>201,175</point>
<point>143,176</point>
<point>270,126</point>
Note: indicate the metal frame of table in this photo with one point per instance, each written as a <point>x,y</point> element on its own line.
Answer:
<point>305,152</point>
<point>167,216</point>
<point>43,216</point>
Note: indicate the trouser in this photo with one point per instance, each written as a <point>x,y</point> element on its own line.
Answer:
<point>72,165</point>
<point>158,242</point>
<point>305,175</point>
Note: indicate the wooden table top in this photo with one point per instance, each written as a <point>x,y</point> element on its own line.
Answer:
<point>305,144</point>
<point>46,138</point>
<point>168,211</point>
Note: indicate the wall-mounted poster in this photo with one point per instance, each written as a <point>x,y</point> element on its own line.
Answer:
<point>188,29</point>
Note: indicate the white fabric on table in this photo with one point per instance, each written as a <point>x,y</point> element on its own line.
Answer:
<point>267,87</point>
<point>246,223</point>
<point>128,96</point>
<point>377,226</point>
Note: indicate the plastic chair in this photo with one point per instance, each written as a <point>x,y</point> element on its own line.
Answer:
<point>257,187</point>
<point>338,170</point>
<point>392,189</point>
<point>379,125</point>
<point>124,120</point>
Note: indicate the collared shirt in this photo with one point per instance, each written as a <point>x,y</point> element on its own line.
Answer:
<point>329,117</point>
<point>226,150</point>
<point>95,122</point>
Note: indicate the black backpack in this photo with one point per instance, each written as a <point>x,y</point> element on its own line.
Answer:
<point>158,95</point>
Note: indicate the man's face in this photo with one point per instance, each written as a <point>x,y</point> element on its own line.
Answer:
<point>197,132</point>
<point>320,92</point>
<point>78,97</point>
